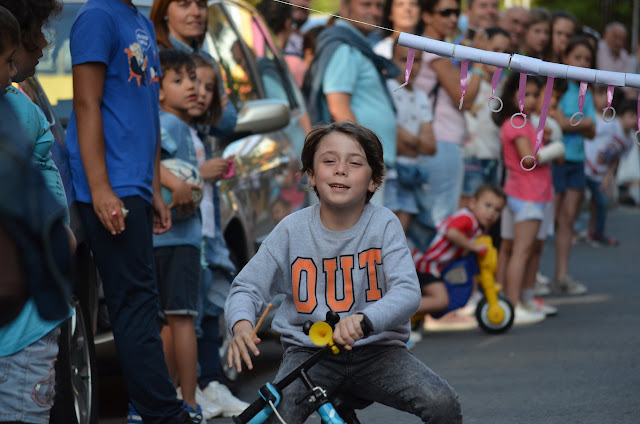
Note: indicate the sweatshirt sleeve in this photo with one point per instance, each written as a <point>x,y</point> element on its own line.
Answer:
<point>402,296</point>
<point>253,288</point>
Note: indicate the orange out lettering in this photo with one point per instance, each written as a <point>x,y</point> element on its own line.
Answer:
<point>340,293</point>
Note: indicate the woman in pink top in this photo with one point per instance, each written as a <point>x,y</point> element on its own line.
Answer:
<point>529,196</point>
<point>440,79</point>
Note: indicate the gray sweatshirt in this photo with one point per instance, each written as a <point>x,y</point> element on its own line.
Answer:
<point>367,268</point>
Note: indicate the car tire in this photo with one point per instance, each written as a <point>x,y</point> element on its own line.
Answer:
<point>76,398</point>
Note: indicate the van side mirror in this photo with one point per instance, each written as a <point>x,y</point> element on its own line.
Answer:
<point>261,116</point>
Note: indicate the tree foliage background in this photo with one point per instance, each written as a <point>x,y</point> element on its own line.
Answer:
<point>593,13</point>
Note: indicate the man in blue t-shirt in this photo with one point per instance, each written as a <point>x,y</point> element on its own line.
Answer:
<point>113,141</point>
<point>347,77</point>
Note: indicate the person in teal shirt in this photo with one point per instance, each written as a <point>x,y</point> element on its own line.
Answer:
<point>569,180</point>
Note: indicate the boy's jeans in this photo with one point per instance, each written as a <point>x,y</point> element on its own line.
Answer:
<point>390,375</point>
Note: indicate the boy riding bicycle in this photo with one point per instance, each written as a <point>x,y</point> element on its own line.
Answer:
<point>351,257</point>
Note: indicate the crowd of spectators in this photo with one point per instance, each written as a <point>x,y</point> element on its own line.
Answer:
<point>442,148</point>
<point>470,149</point>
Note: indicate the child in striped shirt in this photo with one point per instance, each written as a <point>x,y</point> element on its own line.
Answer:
<point>454,239</point>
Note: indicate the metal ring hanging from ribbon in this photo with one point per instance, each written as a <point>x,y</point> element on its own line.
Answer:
<point>609,107</point>
<point>494,83</point>
<point>581,97</point>
<point>522,88</point>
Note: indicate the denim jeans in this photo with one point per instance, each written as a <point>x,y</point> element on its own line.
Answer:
<point>390,375</point>
<point>601,200</point>
<point>126,266</point>
<point>27,380</point>
<point>446,171</point>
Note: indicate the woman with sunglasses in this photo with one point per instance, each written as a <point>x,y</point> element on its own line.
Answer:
<point>440,79</point>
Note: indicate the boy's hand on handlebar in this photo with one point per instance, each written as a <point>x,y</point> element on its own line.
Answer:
<point>348,331</point>
<point>241,344</point>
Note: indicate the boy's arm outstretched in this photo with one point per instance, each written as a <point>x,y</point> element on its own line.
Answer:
<point>251,291</point>
<point>458,238</point>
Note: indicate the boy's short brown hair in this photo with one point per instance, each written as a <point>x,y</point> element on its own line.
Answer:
<point>492,188</point>
<point>175,60</point>
<point>364,136</point>
<point>9,30</point>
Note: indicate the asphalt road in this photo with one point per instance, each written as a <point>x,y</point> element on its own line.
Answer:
<point>582,366</point>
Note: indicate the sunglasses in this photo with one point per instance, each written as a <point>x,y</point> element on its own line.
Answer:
<point>445,13</point>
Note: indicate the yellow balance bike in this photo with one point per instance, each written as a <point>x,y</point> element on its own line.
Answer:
<point>494,311</point>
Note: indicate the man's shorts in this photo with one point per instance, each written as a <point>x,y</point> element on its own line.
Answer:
<point>520,210</point>
<point>569,175</point>
<point>178,270</point>
<point>27,381</point>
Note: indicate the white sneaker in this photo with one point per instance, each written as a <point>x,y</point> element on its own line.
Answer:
<point>219,394</point>
<point>537,304</point>
<point>568,286</point>
<point>541,289</point>
<point>524,315</point>
<point>542,279</point>
<point>210,410</point>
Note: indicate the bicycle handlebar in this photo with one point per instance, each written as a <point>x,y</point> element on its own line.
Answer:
<point>259,404</point>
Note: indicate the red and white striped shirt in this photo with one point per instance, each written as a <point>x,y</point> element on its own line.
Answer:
<point>441,251</point>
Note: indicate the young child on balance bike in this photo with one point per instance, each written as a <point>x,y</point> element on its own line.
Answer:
<point>456,238</point>
<point>346,255</point>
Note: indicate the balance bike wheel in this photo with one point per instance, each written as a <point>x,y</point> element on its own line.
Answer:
<point>482,315</point>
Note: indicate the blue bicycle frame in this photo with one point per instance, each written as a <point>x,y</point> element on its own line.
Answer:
<point>271,394</point>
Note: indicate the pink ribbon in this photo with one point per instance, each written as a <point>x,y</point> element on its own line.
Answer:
<point>522,89</point>
<point>543,119</point>
<point>464,67</point>
<point>543,113</point>
<point>582,94</point>
<point>407,72</point>
<point>494,81</point>
<point>609,96</point>
<point>609,100</point>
